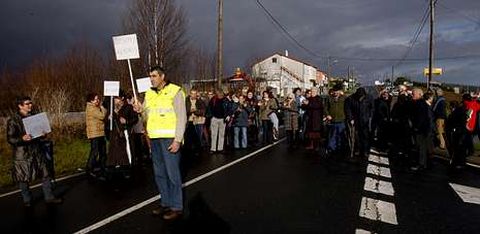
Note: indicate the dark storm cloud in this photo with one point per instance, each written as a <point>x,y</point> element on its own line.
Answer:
<point>342,28</point>
<point>31,28</point>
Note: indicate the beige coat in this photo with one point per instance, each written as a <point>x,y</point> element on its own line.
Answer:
<point>95,120</point>
<point>267,107</point>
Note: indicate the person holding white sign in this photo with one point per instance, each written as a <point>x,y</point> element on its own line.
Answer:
<point>29,158</point>
<point>166,118</point>
<point>120,149</point>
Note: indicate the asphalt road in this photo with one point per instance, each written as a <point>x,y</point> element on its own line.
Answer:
<point>276,190</point>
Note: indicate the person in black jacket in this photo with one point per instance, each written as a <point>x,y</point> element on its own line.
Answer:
<point>358,112</point>
<point>29,159</point>
<point>218,109</point>
<point>120,148</point>
<point>381,119</point>
<point>423,127</point>
<point>456,132</point>
<point>401,123</point>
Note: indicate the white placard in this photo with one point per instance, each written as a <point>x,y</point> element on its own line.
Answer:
<point>37,125</point>
<point>111,88</point>
<point>126,47</point>
<point>143,84</point>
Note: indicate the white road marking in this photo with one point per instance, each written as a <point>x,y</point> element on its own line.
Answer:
<point>157,197</point>
<point>378,159</point>
<point>378,210</point>
<point>378,186</point>
<point>40,184</point>
<point>377,152</point>
<point>466,193</point>
<point>379,171</point>
<point>361,231</point>
<point>374,209</point>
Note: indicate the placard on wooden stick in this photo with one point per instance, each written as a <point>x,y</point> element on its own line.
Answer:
<point>126,47</point>
<point>112,89</point>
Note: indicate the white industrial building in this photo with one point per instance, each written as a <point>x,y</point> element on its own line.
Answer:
<point>284,73</point>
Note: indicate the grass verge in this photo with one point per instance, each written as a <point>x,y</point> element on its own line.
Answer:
<point>71,150</point>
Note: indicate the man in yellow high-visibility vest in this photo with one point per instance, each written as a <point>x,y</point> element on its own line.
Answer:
<point>165,115</point>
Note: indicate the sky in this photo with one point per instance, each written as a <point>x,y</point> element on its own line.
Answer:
<point>342,29</point>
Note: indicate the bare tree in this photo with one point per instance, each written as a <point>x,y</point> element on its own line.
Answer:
<point>202,67</point>
<point>161,27</point>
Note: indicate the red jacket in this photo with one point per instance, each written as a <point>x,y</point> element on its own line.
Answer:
<point>472,108</point>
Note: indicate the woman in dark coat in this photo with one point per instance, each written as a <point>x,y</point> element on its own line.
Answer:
<point>253,121</point>
<point>290,119</point>
<point>29,159</point>
<point>124,118</point>
<point>314,112</point>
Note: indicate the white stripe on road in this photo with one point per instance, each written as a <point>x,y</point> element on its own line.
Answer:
<point>40,184</point>
<point>378,159</point>
<point>157,197</point>
<point>378,186</point>
<point>374,209</point>
<point>466,193</point>
<point>378,210</point>
<point>377,152</point>
<point>361,231</point>
<point>379,171</point>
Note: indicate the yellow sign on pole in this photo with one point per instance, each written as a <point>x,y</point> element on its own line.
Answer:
<point>435,71</point>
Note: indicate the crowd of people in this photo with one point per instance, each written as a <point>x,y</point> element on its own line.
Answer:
<point>410,123</point>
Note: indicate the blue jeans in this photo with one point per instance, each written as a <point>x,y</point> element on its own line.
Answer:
<point>97,148</point>
<point>267,131</point>
<point>166,169</point>
<point>336,136</point>
<point>236,138</point>
<point>199,131</point>
<point>46,187</point>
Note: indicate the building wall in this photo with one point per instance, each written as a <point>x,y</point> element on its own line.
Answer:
<point>272,71</point>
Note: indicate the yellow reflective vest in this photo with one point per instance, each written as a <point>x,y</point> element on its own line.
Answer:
<point>161,118</point>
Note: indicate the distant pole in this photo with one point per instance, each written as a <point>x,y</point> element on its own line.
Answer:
<point>220,44</point>
<point>328,67</point>
<point>348,77</point>
<point>393,73</point>
<point>430,58</point>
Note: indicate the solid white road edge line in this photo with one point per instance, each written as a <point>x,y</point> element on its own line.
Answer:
<point>40,184</point>
<point>157,197</point>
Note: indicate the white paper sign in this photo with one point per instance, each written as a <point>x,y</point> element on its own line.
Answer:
<point>37,125</point>
<point>111,88</point>
<point>143,84</point>
<point>126,47</point>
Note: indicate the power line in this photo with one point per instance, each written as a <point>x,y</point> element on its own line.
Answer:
<point>407,60</point>
<point>417,33</point>
<point>285,31</point>
<point>467,17</point>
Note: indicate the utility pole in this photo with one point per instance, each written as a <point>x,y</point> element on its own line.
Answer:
<point>155,31</point>
<point>220,44</point>
<point>393,73</point>
<point>329,67</point>
<point>430,58</point>
<point>349,79</point>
